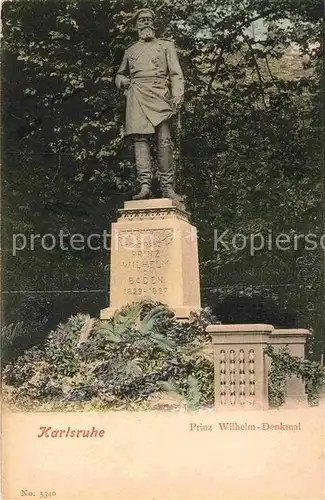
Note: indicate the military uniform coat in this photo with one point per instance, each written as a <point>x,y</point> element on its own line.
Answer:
<point>156,77</point>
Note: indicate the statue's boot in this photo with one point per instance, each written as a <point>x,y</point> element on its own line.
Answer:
<point>143,166</point>
<point>143,194</point>
<point>166,167</point>
<point>168,192</point>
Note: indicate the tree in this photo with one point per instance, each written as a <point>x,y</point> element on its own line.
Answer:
<point>250,129</point>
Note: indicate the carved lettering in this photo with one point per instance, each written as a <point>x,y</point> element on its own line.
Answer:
<point>144,256</point>
<point>146,280</point>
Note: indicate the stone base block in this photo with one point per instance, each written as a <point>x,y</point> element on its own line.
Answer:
<point>240,366</point>
<point>154,255</point>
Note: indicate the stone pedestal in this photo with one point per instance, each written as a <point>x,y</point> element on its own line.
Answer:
<point>154,255</point>
<point>241,376</point>
<point>294,340</point>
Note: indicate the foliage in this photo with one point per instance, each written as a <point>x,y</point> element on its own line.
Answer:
<point>123,361</point>
<point>17,337</point>
<point>141,358</point>
<point>61,344</point>
<point>249,153</point>
<point>192,395</point>
<point>284,366</point>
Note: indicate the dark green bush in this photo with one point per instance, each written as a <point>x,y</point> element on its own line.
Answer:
<point>17,337</point>
<point>284,366</point>
<point>138,353</point>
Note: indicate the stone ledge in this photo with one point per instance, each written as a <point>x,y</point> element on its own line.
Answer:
<point>155,208</point>
<point>241,328</point>
<point>152,203</point>
<point>286,336</point>
<point>289,332</point>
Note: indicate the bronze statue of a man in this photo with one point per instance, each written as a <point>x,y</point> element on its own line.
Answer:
<point>153,81</point>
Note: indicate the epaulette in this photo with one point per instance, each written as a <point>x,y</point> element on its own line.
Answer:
<point>131,44</point>
<point>166,40</point>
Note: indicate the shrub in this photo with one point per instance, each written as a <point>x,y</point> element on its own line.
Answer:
<point>17,337</point>
<point>121,362</point>
<point>284,366</point>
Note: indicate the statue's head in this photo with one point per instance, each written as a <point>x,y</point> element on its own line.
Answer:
<point>144,19</point>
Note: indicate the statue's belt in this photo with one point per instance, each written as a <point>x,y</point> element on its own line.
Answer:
<point>149,79</point>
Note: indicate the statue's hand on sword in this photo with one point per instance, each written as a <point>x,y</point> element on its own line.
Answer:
<point>125,83</point>
<point>177,102</point>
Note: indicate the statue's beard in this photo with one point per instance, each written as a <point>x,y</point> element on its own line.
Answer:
<point>146,33</point>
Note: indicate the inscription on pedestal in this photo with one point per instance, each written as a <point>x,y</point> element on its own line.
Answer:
<point>144,260</point>
<point>154,255</point>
